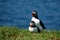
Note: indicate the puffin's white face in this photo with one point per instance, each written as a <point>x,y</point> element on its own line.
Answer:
<point>31,24</point>
<point>34,12</point>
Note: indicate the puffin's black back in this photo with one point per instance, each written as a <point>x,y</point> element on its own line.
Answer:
<point>41,23</point>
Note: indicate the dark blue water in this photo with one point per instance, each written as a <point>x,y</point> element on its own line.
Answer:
<point>18,12</point>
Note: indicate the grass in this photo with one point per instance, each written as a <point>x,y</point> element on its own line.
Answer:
<point>14,33</point>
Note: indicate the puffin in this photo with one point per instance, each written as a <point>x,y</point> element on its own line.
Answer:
<point>33,27</point>
<point>38,23</point>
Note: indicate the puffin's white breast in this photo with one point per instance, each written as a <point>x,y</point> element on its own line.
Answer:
<point>37,22</point>
<point>33,29</point>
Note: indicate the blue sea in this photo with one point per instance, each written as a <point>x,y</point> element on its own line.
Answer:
<point>18,13</point>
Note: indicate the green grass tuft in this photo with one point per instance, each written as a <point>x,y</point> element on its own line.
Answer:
<point>14,33</point>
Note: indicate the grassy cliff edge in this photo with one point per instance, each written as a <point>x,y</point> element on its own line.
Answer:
<point>14,33</point>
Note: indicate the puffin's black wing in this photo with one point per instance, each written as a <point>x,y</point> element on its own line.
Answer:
<point>41,23</point>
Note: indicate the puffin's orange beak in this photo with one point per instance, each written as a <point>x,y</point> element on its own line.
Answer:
<point>33,14</point>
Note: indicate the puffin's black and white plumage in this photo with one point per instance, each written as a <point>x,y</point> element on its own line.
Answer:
<point>38,22</point>
<point>33,27</point>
